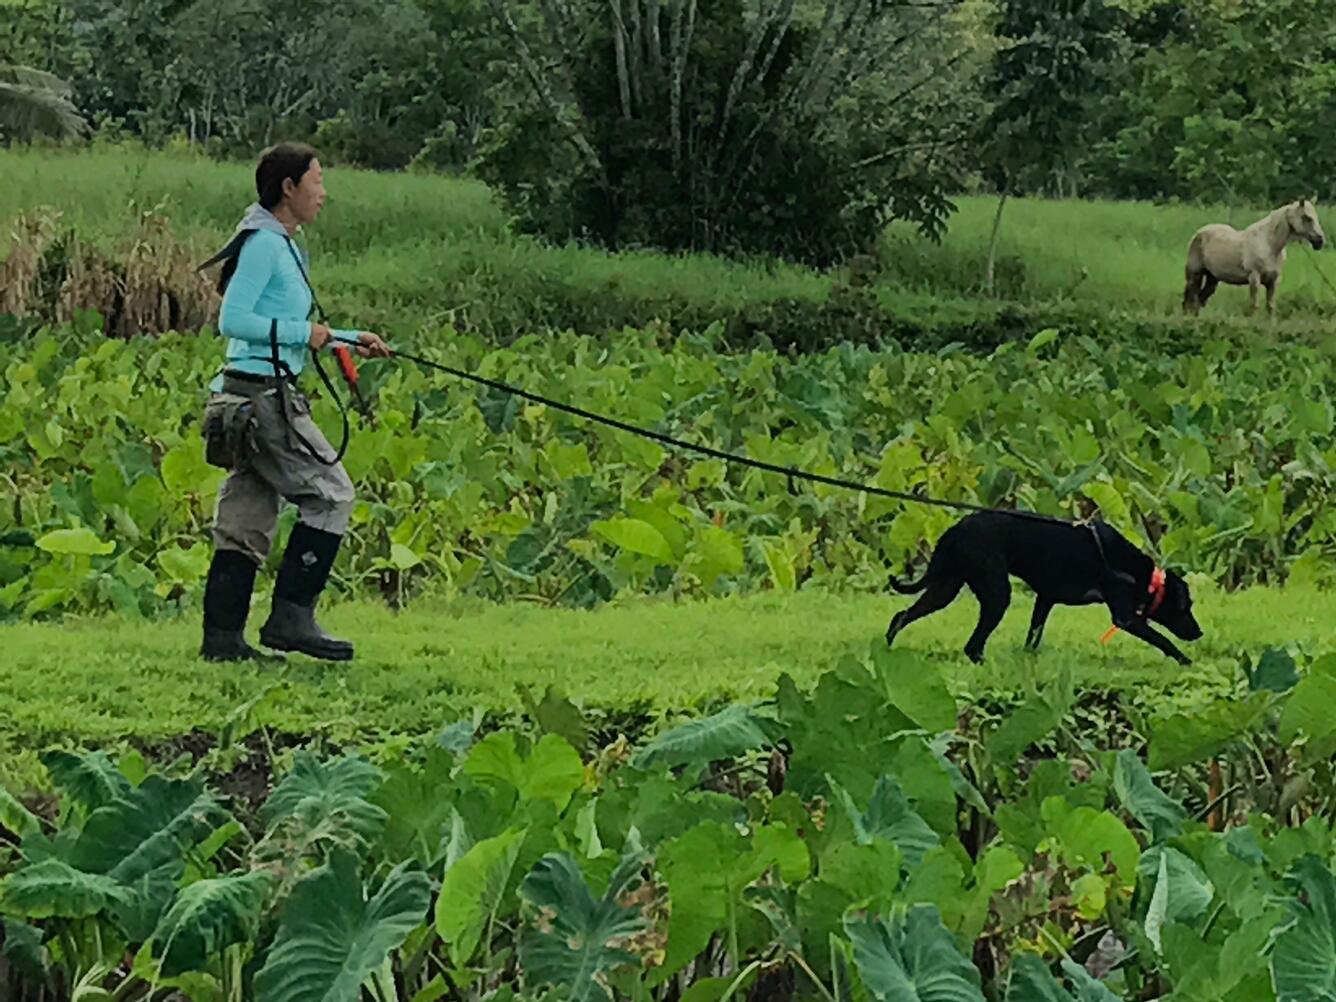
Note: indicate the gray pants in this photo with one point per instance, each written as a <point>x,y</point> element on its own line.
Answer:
<point>249,499</point>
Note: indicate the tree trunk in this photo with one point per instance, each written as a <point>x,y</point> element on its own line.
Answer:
<point>992,244</point>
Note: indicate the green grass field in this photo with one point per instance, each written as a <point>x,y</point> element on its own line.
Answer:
<point>416,248</point>
<point>99,682</point>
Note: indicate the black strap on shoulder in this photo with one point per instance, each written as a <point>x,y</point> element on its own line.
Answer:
<point>283,374</point>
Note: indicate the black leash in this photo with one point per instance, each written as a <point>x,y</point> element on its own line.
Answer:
<point>791,472</point>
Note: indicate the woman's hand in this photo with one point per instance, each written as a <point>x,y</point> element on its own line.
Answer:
<point>372,346</point>
<point>320,335</point>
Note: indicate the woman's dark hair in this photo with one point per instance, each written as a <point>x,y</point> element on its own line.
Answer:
<point>288,161</point>
<point>284,162</point>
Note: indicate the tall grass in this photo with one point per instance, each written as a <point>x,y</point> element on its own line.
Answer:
<point>404,247</point>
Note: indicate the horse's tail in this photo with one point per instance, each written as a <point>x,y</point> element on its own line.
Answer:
<point>1195,273</point>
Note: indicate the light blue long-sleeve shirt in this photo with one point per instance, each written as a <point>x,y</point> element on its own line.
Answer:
<point>267,285</point>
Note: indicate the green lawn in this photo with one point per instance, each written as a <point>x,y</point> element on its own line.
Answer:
<point>98,682</point>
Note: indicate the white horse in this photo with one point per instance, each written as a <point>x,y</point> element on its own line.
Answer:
<point>1219,253</point>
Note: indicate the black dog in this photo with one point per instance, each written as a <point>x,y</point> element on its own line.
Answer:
<point>1065,564</point>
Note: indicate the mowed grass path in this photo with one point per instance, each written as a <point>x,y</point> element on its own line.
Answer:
<point>100,682</point>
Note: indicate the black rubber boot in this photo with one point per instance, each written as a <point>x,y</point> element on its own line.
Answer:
<point>227,594</point>
<point>301,578</point>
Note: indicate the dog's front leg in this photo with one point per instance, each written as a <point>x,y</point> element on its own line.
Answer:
<point>1042,607</point>
<point>1143,630</point>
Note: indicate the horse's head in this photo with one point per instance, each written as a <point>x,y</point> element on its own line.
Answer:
<point>1302,217</point>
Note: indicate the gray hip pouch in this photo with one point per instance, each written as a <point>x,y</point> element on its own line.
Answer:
<point>229,430</point>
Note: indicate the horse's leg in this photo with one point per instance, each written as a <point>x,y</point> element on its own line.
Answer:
<point>1190,300</point>
<point>1254,287</point>
<point>1208,288</point>
<point>1271,295</point>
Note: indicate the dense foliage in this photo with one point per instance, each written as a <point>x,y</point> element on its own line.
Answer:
<point>1220,460</point>
<point>859,841</point>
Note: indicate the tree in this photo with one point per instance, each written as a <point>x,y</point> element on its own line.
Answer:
<point>35,103</point>
<point>1051,62</point>
<point>795,128</point>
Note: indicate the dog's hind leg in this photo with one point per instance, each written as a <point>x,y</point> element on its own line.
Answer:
<point>938,595</point>
<point>992,588</point>
<point>1042,607</point>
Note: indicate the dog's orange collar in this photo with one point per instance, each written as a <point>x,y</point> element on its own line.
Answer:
<point>1156,590</point>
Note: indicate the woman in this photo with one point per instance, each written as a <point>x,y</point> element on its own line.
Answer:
<point>266,302</point>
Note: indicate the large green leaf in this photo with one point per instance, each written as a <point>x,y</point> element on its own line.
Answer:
<point>889,816</point>
<point>578,939</point>
<point>552,771</point>
<point>209,916</point>
<point>327,799</point>
<point>1182,739</point>
<point>16,818</point>
<point>915,687</point>
<point>1303,963</point>
<point>74,542</point>
<point>1182,890</point>
<point>91,780</point>
<point>53,888</point>
<point>727,734</point>
<point>1030,980</point>
<point>706,897</point>
<point>151,826</point>
<point>1308,709</point>
<point>911,958</point>
<point>331,936</point>
<point>471,892</point>
<point>1144,800</point>
<point>417,804</point>
<point>635,536</point>
<point>21,945</point>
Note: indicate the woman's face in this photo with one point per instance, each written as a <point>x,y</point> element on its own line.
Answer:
<point>306,198</point>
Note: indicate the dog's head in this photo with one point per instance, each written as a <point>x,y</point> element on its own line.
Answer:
<point>1175,611</point>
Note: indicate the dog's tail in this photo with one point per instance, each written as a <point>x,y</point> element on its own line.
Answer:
<point>909,588</point>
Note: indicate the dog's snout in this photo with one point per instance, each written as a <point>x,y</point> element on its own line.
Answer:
<point>1319,242</point>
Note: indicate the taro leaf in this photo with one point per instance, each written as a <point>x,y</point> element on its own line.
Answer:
<point>417,803</point>
<point>457,738</point>
<point>472,891</point>
<point>1031,980</point>
<point>1308,710</point>
<point>74,542</point>
<point>148,898</point>
<point>914,686</point>
<point>1087,835</point>
<point>578,939</point>
<point>1144,800</point>
<point>16,818</point>
<point>54,889</point>
<point>635,535</point>
<point>1303,963</point>
<point>151,826</point>
<point>703,896</point>
<point>911,958</point>
<point>209,916</point>
<point>331,936</point>
<point>1181,740</point>
<point>556,714</point>
<point>552,771</point>
<point>21,945</point>
<point>1182,890</point>
<point>889,816</point>
<point>91,780</point>
<point>1275,672</point>
<point>327,796</point>
<point>1032,721</point>
<point>727,734</point>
